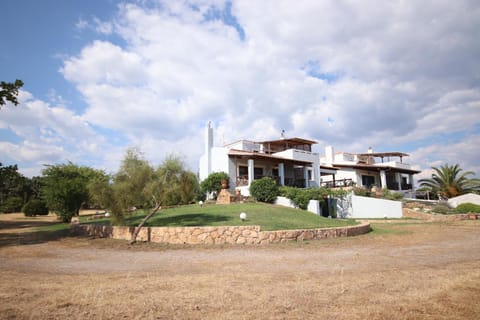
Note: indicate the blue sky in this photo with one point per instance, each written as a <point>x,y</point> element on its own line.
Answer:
<point>102,76</point>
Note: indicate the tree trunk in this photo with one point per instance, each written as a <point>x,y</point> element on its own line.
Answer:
<point>140,225</point>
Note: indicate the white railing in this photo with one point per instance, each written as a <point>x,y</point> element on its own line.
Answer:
<point>295,154</point>
<point>394,164</point>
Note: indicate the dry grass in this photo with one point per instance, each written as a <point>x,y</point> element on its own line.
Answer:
<point>417,271</point>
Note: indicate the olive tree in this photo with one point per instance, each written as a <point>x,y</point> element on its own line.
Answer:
<point>138,184</point>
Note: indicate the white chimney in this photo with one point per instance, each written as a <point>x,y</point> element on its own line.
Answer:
<point>370,150</point>
<point>209,146</point>
<point>329,156</point>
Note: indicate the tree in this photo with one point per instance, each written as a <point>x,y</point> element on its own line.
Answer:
<point>213,183</point>
<point>15,189</point>
<point>172,184</point>
<point>449,181</point>
<point>138,184</point>
<point>65,188</point>
<point>9,91</point>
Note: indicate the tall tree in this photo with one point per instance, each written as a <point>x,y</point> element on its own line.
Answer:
<point>171,184</point>
<point>65,188</point>
<point>14,188</point>
<point>449,181</point>
<point>138,184</point>
<point>9,91</point>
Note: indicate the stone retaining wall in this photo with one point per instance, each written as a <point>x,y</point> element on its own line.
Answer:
<point>217,235</point>
<point>409,213</point>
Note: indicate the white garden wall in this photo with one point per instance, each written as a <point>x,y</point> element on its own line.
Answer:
<point>357,207</point>
<point>466,198</point>
<point>313,205</point>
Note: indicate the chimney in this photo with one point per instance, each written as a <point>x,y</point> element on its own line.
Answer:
<point>370,150</point>
<point>208,146</point>
<point>329,156</point>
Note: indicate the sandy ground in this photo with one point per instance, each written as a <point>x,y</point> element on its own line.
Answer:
<point>401,271</point>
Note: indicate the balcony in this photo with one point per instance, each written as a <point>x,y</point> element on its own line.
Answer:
<point>301,155</point>
<point>338,183</point>
<point>395,164</point>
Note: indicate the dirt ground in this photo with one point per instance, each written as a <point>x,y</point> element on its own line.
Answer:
<point>399,271</point>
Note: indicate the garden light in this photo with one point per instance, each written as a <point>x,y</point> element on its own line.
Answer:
<point>243,216</point>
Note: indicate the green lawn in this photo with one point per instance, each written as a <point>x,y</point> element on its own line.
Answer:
<point>268,217</point>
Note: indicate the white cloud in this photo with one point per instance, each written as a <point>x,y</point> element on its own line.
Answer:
<point>351,74</point>
<point>81,24</point>
<point>46,134</point>
<point>464,153</point>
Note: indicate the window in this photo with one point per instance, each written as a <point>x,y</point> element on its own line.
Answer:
<point>275,172</point>
<point>257,173</point>
<point>368,181</point>
<point>242,171</point>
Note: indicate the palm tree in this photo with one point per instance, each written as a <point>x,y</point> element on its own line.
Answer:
<point>449,181</point>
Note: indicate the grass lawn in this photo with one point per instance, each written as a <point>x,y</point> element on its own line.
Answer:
<point>268,217</point>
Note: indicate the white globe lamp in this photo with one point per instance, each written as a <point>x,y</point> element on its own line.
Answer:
<point>243,216</point>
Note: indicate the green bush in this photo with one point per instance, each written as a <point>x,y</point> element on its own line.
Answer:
<point>467,208</point>
<point>264,190</point>
<point>362,192</point>
<point>35,207</point>
<point>442,208</point>
<point>213,183</point>
<point>301,197</point>
<point>391,195</point>
<point>12,204</point>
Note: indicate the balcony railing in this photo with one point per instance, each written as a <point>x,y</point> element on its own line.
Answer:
<point>338,183</point>
<point>241,181</point>
<point>394,186</point>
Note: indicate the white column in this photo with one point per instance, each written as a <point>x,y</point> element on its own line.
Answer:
<point>410,180</point>
<point>281,173</point>
<point>250,171</point>
<point>316,173</point>
<point>305,176</point>
<point>398,177</point>
<point>383,179</point>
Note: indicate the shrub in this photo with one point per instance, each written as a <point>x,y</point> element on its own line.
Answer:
<point>35,207</point>
<point>12,204</point>
<point>362,192</point>
<point>213,183</point>
<point>264,190</point>
<point>442,208</point>
<point>391,195</point>
<point>301,197</point>
<point>467,208</point>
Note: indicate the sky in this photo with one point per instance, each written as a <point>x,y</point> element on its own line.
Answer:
<point>102,76</point>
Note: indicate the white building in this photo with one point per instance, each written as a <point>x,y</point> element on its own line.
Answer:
<point>289,161</point>
<point>385,170</point>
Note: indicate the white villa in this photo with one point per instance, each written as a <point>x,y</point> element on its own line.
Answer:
<point>385,170</point>
<point>291,162</point>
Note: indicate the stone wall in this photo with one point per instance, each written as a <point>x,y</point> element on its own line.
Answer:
<point>414,214</point>
<point>217,235</point>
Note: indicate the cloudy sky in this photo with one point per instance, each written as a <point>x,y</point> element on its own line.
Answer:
<point>103,75</point>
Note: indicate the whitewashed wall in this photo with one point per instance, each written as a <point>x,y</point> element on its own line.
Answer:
<point>313,205</point>
<point>466,198</point>
<point>357,207</point>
